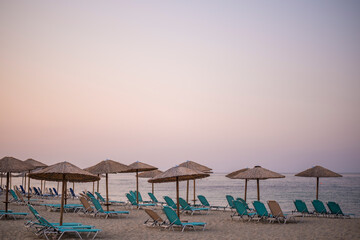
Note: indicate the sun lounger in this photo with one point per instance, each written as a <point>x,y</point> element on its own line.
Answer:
<point>170,202</point>
<point>67,207</point>
<point>87,208</point>
<point>73,195</point>
<point>336,210</point>
<point>12,214</point>
<point>21,199</point>
<point>245,204</point>
<point>102,200</point>
<point>175,221</point>
<point>278,214</point>
<point>204,202</point>
<point>61,230</point>
<point>320,208</point>
<point>155,219</point>
<point>230,199</point>
<point>301,208</point>
<point>154,199</point>
<point>56,193</point>
<point>141,199</point>
<point>100,211</point>
<point>241,211</point>
<point>134,203</point>
<point>187,208</point>
<point>262,212</point>
<point>15,198</point>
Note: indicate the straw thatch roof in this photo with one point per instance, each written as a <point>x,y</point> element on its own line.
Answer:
<point>141,167</point>
<point>196,166</point>
<point>35,163</point>
<point>150,174</point>
<point>318,171</point>
<point>180,173</point>
<point>232,174</point>
<point>11,164</point>
<point>257,173</point>
<point>108,166</point>
<point>64,171</point>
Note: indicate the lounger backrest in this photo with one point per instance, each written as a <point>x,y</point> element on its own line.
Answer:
<point>85,203</point>
<point>72,192</point>
<point>153,215</point>
<point>230,199</point>
<point>301,206</point>
<point>139,196</point>
<point>260,209</point>
<point>275,209</point>
<point>100,197</point>
<point>334,208</point>
<point>19,195</point>
<point>153,198</point>
<point>56,193</point>
<point>131,199</point>
<point>171,215</point>
<point>170,202</point>
<point>319,206</point>
<point>97,205</point>
<point>90,195</point>
<point>133,194</point>
<point>33,210</point>
<point>22,189</point>
<point>240,208</point>
<point>243,202</point>
<point>45,222</point>
<point>203,201</point>
<point>184,204</point>
<point>14,194</point>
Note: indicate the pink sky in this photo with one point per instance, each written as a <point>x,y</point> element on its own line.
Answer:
<point>228,85</point>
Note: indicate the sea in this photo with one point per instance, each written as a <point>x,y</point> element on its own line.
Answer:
<point>343,190</point>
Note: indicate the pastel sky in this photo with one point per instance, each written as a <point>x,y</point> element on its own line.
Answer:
<point>228,84</point>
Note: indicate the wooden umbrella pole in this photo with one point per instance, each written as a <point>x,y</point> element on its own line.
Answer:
<point>62,200</point>
<point>317,188</point>
<point>74,187</point>
<point>93,188</point>
<point>245,189</point>
<point>137,188</point>
<point>98,183</point>
<point>28,196</point>
<point>258,189</point>
<point>44,186</point>
<point>65,192</point>
<point>187,191</point>
<point>41,184</point>
<point>177,197</point>
<point>152,188</point>
<point>194,193</point>
<point>1,179</point>
<point>7,191</point>
<point>107,193</point>
<point>57,188</point>
<point>25,183</point>
<point>10,181</point>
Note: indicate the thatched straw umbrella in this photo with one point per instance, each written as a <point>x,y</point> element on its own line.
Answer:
<point>177,174</point>
<point>318,172</point>
<point>140,167</point>
<point>195,166</point>
<point>232,175</point>
<point>258,173</point>
<point>108,166</point>
<point>65,172</point>
<point>150,174</point>
<point>37,165</point>
<point>9,165</point>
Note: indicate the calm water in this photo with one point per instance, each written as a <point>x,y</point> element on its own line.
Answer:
<point>345,190</point>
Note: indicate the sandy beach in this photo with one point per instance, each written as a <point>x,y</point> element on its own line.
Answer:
<point>219,226</point>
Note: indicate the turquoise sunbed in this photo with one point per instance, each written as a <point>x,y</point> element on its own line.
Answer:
<point>175,221</point>
<point>52,229</point>
<point>170,202</point>
<point>245,203</point>
<point>204,202</point>
<point>12,214</point>
<point>102,200</point>
<point>56,207</point>
<point>140,198</point>
<point>336,210</point>
<point>186,207</point>
<point>241,211</point>
<point>154,199</point>
<point>100,211</point>
<point>320,208</point>
<point>134,203</point>
<point>230,199</point>
<point>262,212</point>
<point>301,207</point>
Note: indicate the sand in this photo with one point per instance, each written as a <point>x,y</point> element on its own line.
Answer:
<point>219,226</point>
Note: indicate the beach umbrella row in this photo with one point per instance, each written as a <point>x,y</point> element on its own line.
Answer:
<point>150,174</point>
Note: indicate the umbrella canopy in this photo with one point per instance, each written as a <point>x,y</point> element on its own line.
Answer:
<point>65,172</point>
<point>317,172</point>
<point>232,174</point>
<point>198,167</point>
<point>9,165</point>
<point>150,174</point>
<point>37,165</point>
<point>177,174</point>
<point>140,167</point>
<point>106,167</point>
<point>257,173</point>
